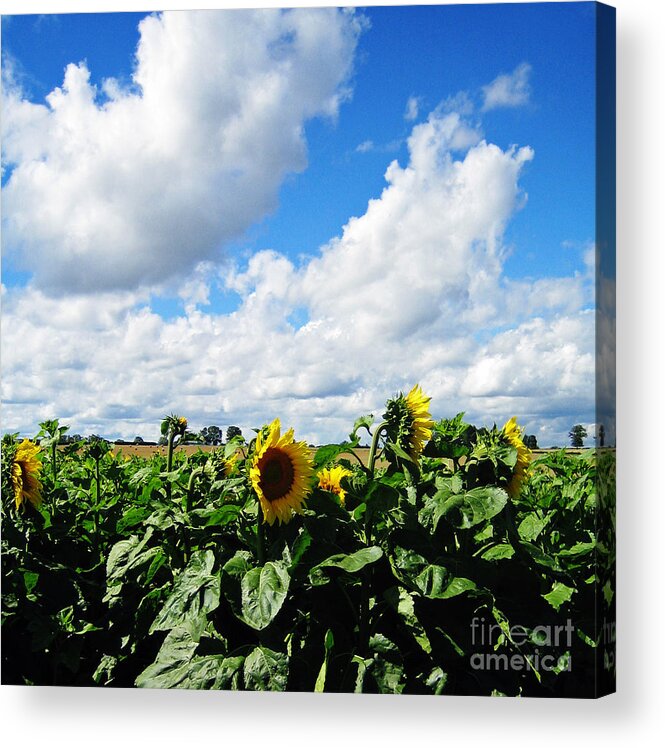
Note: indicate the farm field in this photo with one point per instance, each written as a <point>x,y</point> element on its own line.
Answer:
<point>146,452</point>
<point>444,559</point>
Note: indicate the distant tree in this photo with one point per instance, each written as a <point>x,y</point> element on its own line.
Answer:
<point>530,441</point>
<point>212,435</point>
<point>232,432</point>
<point>138,440</point>
<point>600,437</point>
<point>577,435</point>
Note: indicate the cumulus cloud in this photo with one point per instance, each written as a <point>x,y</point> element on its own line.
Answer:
<point>122,186</point>
<point>508,89</point>
<point>412,290</point>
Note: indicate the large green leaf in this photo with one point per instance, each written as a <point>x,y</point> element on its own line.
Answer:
<point>386,667</point>
<point>131,559</point>
<point>351,563</point>
<point>195,592</point>
<point>330,452</point>
<point>498,552</point>
<point>233,572</point>
<point>463,510</point>
<point>402,602</point>
<point>266,670</point>
<point>264,590</point>
<point>531,526</point>
<point>438,583</point>
<point>431,580</point>
<point>559,594</point>
<point>177,665</point>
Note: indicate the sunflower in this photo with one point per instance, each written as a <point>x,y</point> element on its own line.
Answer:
<point>218,466</point>
<point>281,473</point>
<point>512,433</point>
<point>26,467</point>
<point>409,423</point>
<point>230,464</point>
<point>330,479</point>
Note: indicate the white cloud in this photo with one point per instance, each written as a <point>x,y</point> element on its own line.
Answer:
<point>413,290</point>
<point>412,108</point>
<point>365,147</point>
<point>508,89</point>
<point>125,187</point>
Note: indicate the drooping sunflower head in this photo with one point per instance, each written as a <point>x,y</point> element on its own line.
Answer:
<point>25,470</point>
<point>330,479</point>
<point>512,434</point>
<point>409,421</point>
<point>281,473</point>
<point>176,425</point>
<point>230,464</point>
<point>219,466</point>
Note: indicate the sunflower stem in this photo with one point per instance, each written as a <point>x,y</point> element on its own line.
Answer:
<point>375,443</point>
<point>260,538</point>
<point>351,452</point>
<point>54,447</point>
<point>97,499</point>
<point>190,487</point>
<point>169,460</point>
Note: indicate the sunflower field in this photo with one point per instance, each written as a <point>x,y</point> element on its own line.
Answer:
<point>448,559</point>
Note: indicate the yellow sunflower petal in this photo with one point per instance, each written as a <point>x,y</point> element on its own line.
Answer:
<point>25,471</point>
<point>330,480</point>
<point>421,421</point>
<point>513,435</point>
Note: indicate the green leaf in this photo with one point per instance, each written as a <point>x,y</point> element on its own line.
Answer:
<point>232,573</point>
<point>579,549</point>
<point>398,452</point>
<point>431,580</point>
<point>266,670</point>
<point>195,593</point>
<point>386,668</point>
<point>129,555</point>
<point>463,510</point>
<point>438,583</point>
<point>362,422</point>
<point>608,592</point>
<point>328,643</point>
<point>559,594</point>
<point>300,547</point>
<point>30,579</point>
<point>177,666</point>
<point>350,563</point>
<point>131,518</point>
<point>329,452</point>
<point>224,515</point>
<point>436,681</point>
<point>498,552</point>
<point>264,590</point>
<point>540,557</point>
<point>402,602</point>
<point>530,527</point>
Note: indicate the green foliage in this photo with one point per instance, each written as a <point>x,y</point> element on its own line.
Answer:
<point>133,574</point>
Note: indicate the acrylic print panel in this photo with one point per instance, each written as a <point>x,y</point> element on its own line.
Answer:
<point>308,350</point>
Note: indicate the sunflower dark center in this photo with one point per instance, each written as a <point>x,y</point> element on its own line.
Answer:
<point>277,474</point>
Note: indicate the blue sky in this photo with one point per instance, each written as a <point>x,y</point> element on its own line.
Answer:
<point>393,73</point>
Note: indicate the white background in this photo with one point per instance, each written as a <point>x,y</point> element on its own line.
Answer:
<point>101,717</point>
